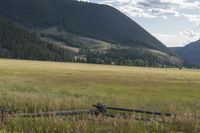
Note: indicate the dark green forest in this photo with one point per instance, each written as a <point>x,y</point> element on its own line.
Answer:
<point>18,43</point>
<point>129,57</point>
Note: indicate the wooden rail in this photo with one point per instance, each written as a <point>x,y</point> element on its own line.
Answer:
<point>99,109</point>
<point>59,113</point>
<point>103,108</point>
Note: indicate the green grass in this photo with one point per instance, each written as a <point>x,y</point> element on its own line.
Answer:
<point>46,86</point>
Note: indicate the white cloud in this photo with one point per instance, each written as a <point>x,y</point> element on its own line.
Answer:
<point>193,18</point>
<point>157,11</point>
<point>135,12</point>
<point>192,35</point>
<point>155,8</point>
<point>83,0</point>
<point>168,4</point>
<point>170,40</point>
<point>183,38</point>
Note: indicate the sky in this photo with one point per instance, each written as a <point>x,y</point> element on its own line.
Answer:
<point>173,22</point>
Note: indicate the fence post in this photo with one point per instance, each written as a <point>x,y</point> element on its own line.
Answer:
<point>101,108</point>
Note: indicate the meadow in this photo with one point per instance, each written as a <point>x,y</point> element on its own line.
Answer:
<point>34,86</point>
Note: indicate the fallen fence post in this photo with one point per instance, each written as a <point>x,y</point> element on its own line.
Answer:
<point>59,113</point>
<point>99,105</point>
<point>99,109</point>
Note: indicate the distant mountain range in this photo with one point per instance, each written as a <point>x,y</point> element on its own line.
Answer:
<point>97,32</point>
<point>190,52</point>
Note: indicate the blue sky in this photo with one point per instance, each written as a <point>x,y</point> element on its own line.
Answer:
<point>174,22</point>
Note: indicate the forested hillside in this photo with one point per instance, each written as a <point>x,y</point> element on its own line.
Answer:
<point>18,43</point>
<point>88,32</point>
<point>86,19</point>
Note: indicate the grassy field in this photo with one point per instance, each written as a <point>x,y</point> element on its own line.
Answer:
<point>31,86</point>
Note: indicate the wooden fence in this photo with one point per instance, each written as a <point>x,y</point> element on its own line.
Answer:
<point>98,109</point>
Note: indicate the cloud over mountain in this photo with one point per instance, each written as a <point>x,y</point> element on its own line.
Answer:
<point>185,14</point>
<point>155,8</point>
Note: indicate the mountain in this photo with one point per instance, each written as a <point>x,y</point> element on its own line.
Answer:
<point>92,30</point>
<point>97,21</point>
<point>190,52</point>
<point>174,49</point>
<point>18,43</point>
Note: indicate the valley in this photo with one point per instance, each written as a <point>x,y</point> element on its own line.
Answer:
<point>32,86</point>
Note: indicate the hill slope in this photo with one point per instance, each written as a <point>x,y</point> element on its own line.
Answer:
<point>18,43</point>
<point>190,52</point>
<point>87,19</point>
<point>96,33</point>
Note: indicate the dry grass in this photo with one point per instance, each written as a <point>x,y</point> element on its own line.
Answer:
<point>42,86</point>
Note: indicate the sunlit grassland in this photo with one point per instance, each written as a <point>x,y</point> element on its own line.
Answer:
<point>44,86</point>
